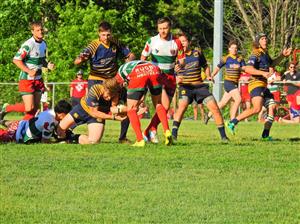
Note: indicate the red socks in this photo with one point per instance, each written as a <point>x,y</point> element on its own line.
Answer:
<point>162,114</point>
<point>18,107</point>
<point>135,123</point>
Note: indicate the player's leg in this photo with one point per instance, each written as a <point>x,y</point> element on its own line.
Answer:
<point>270,104</point>
<point>223,102</point>
<point>257,102</point>
<point>133,99</point>
<point>169,88</point>
<point>216,112</point>
<point>95,133</point>
<point>236,96</point>
<point>185,98</point>
<point>125,123</point>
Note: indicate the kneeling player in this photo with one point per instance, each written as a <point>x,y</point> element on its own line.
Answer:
<point>37,129</point>
<point>191,87</point>
<point>93,110</point>
<point>140,76</point>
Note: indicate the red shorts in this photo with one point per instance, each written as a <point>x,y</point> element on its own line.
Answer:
<point>144,76</point>
<point>276,96</point>
<point>245,94</point>
<point>168,82</point>
<point>31,86</point>
<point>9,134</point>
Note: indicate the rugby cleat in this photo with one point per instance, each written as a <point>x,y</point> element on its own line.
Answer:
<point>153,137</point>
<point>174,134</point>
<point>267,139</point>
<point>230,127</point>
<point>124,141</point>
<point>139,144</point>
<point>169,139</point>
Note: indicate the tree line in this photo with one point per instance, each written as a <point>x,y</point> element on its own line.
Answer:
<point>71,25</point>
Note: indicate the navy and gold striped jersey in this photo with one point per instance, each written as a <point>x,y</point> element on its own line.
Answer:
<point>191,73</point>
<point>94,99</point>
<point>233,65</point>
<point>103,58</point>
<point>260,60</point>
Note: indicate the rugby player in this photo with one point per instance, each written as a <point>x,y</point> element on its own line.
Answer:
<point>30,58</point>
<point>164,50</point>
<point>103,55</point>
<point>191,87</point>
<point>37,129</point>
<point>260,67</point>
<point>139,76</point>
<point>93,110</point>
<point>234,64</point>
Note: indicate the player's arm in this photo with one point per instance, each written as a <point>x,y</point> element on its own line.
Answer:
<point>250,69</point>
<point>253,71</point>
<point>84,55</point>
<point>285,53</point>
<point>71,91</point>
<point>146,51</point>
<point>21,65</point>
<point>218,68</point>
<point>130,57</point>
<point>94,112</point>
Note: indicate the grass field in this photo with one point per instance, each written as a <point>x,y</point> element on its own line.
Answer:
<point>199,180</point>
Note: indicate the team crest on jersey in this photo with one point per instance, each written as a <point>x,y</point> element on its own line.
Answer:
<point>46,125</point>
<point>183,92</point>
<point>196,54</point>
<point>294,77</point>
<point>173,52</point>
<point>75,115</point>
<point>156,51</point>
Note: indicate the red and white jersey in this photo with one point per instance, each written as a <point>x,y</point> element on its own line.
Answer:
<point>164,52</point>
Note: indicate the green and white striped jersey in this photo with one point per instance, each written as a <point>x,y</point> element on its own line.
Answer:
<point>33,54</point>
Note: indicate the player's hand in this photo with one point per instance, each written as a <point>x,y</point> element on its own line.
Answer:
<point>50,66</point>
<point>32,72</point>
<point>287,52</point>
<point>120,118</point>
<point>179,79</point>
<point>177,68</point>
<point>114,110</point>
<point>266,74</point>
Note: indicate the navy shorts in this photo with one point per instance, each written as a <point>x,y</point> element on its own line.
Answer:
<point>230,85</point>
<point>191,93</point>
<point>265,94</point>
<point>80,116</point>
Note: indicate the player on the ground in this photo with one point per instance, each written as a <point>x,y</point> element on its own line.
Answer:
<point>191,87</point>
<point>164,49</point>
<point>103,55</point>
<point>93,110</point>
<point>139,76</point>
<point>30,58</point>
<point>36,129</point>
<point>234,64</point>
<point>260,67</point>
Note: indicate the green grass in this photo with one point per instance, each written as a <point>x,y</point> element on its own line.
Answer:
<point>199,180</point>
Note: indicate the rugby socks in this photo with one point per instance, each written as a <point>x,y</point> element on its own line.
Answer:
<point>176,125</point>
<point>135,123</point>
<point>162,115</point>
<point>124,127</point>
<point>18,107</point>
<point>153,124</point>
<point>29,115</point>
<point>267,126</point>
<point>234,121</point>
<point>222,131</point>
